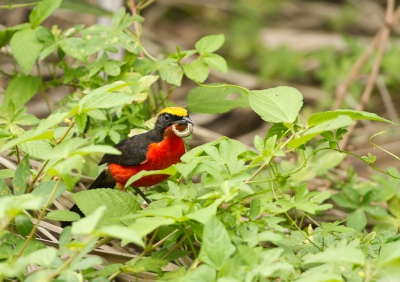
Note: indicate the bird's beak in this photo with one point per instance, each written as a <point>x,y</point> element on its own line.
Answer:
<point>185,121</point>
<point>188,123</point>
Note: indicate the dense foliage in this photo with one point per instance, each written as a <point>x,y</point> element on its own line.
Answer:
<point>228,213</point>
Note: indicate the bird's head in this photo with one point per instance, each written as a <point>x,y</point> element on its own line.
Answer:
<point>177,118</point>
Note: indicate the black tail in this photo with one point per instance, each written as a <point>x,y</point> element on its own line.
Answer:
<point>102,181</point>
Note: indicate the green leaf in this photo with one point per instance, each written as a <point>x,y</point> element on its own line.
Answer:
<point>36,149</point>
<point>170,71</point>
<point>216,62</point>
<point>75,48</point>
<point>357,220</point>
<point>21,177</point>
<point>26,48</point>
<point>64,168</point>
<point>128,234</point>
<point>105,97</point>
<point>277,129</point>
<point>320,277</point>
<point>105,149</point>
<point>4,190</point>
<point>390,255</point>
<point>216,247</point>
<point>63,215</point>
<point>280,104</point>
<point>210,43</point>
<point>145,82</point>
<point>80,121</point>
<point>347,254</point>
<point>45,188</point>
<point>42,11</point>
<point>87,224</point>
<point>319,118</point>
<point>270,237</point>
<point>170,171</point>
<point>255,208</point>
<point>6,173</point>
<point>203,273</point>
<point>340,121</point>
<point>216,99</point>
<point>203,215</point>
<point>146,225</point>
<point>42,257</point>
<point>21,89</point>
<point>15,204</point>
<point>118,204</point>
<point>197,70</point>
<point>23,224</point>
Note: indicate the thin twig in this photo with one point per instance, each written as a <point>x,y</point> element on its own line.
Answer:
<point>341,90</point>
<point>136,25</point>
<point>40,217</point>
<point>375,68</point>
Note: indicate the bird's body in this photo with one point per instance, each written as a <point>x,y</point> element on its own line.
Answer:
<point>160,155</point>
<point>157,149</point>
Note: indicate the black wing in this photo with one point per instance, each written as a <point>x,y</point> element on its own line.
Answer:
<point>133,149</point>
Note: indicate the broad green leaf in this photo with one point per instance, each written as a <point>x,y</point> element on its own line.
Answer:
<point>52,120</point>
<point>63,215</point>
<point>203,273</point>
<point>170,171</point>
<point>216,62</point>
<point>145,82</point>
<point>21,89</point>
<point>6,173</point>
<point>105,149</point>
<point>105,98</point>
<point>280,104</point>
<point>203,215</point>
<point>87,224</point>
<point>75,48</point>
<point>270,237</point>
<point>216,99</point>
<point>15,204</point>
<point>36,149</point>
<point>146,225</point>
<point>170,71</point>
<point>26,48</point>
<point>197,70</point>
<point>118,204</point>
<point>65,167</point>
<point>45,189</point>
<point>80,121</point>
<point>128,234</point>
<point>357,220</point>
<point>390,255</point>
<point>255,208</point>
<point>320,277</point>
<point>42,257</point>
<point>216,247</point>
<point>23,224</point>
<point>4,190</point>
<point>42,11</point>
<point>340,121</point>
<point>21,177</point>
<point>319,118</point>
<point>345,254</point>
<point>210,43</point>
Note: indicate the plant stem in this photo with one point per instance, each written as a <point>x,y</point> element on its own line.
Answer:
<point>136,25</point>
<point>46,162</point>
<point>10,7</point>
<point>40,217</point>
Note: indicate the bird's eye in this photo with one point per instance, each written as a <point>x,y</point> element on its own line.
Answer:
<point>167,117</point>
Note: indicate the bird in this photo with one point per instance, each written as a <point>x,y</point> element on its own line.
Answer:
<point>156,149</point>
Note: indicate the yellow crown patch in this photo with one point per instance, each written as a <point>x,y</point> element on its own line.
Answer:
<point>177,111</point>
